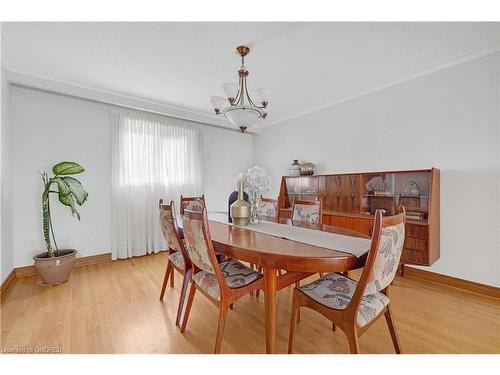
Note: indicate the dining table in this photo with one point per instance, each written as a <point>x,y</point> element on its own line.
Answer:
<point>274,253</point>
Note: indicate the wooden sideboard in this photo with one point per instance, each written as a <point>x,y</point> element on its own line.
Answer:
<point>350,199</point>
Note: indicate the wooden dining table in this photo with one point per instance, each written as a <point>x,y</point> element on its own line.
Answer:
<point>273,253</point>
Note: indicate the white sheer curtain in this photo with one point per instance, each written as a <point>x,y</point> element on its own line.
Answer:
<point>152,158</point>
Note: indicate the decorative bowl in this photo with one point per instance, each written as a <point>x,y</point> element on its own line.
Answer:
<point>307,169</point>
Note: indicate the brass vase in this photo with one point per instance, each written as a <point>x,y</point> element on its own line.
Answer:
<point>240,210</point>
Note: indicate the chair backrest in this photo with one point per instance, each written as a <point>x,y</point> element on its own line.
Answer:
<point>382,260</point>
<point>169,227</point>
<point>310,211</point>
<point>171,231</point>
<point>269,208</point>
<point>198,241</point>
<point>385,252</point>
<point>192,203</point>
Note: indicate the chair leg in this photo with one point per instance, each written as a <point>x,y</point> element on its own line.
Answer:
<point>168,271</point>
<point>392,330</point>
<point>185,284</point>
<point>297,284</point>
<point>334,327</point>
<point>293,323</point>
<point>172,277</point>
<point>257,292</point>
<point>252,266</point>
<point>188,307</point>
<point>220,328</point>
<point>353,339</point>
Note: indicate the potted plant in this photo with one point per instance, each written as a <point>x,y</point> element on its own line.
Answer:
<point>54,265</point>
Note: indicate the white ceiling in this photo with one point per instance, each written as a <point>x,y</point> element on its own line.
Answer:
<point>306,65</point>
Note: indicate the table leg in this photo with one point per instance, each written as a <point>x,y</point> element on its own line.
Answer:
<point>270,287</point>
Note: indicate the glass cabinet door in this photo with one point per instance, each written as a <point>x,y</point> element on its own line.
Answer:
<point>302,188</point>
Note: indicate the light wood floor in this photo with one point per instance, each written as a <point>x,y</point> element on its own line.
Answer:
<point>114,308</point>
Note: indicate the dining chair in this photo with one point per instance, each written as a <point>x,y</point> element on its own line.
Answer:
<point>222,283</point>
<point>178,258</point>
<point>269,209</point>
<point>192,203</point>
<point>310,211</point>
<point>355,305</point>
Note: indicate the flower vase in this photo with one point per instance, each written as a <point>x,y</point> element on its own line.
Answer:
<point>254,208</point>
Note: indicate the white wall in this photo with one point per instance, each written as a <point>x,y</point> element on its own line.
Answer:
<point>6,249</point>
<point>6,253</point>
<point>448,119</point>
<point>226,154</point>
<point>48,128</point>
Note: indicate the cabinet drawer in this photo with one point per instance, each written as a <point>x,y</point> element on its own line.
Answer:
<point>414,256</point>
<point>360,225</point>
<point>285,214</point>
<point>416,244</point>
<point>420,232</point>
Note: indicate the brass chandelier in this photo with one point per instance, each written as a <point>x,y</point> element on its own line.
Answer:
<point>241,111</point>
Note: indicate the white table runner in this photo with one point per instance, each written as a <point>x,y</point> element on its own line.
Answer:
<point>332,241</point>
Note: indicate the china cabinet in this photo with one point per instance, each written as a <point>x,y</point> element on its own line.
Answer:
<point>351,199</point>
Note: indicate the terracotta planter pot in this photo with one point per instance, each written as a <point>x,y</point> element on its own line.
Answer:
<point>55,270</point>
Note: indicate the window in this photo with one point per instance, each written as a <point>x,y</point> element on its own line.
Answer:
<point>158,153</point>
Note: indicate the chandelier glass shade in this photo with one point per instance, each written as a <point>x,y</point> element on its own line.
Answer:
<point>239,108</point>
<point>242,116</point>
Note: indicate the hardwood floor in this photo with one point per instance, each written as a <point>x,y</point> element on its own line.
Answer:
<point>114,308</point>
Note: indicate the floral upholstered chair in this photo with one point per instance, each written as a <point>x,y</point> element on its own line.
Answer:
<point>268,209</point>
<point>310,211</point>
<point>178,258</point>
<point>196,204</point>
<point>356,305</point>
<point>221,283</point>
<point>192,203</point>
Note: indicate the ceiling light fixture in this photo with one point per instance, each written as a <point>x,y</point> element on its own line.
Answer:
<point>241,111</point>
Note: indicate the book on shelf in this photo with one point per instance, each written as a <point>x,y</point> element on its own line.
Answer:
<point>414,215</point>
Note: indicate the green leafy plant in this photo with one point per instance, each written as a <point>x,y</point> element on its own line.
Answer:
<point>70,193</point>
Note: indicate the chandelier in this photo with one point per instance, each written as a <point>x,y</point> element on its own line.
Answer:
<point>241,110</point>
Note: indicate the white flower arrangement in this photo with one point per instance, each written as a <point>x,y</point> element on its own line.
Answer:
<point>256,182</point>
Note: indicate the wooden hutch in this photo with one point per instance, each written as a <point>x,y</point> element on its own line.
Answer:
<point>350,200</point>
